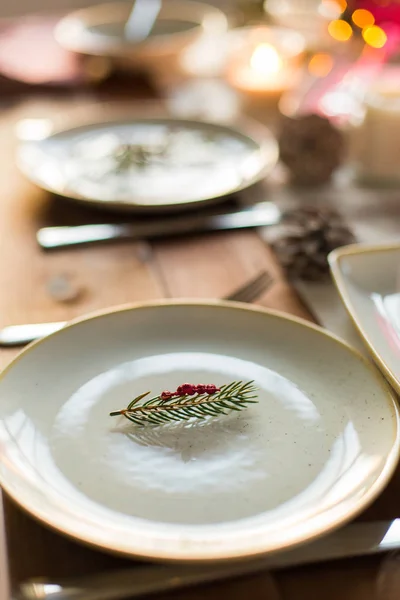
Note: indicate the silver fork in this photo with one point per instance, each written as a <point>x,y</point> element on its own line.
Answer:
<point>253,289</point>
<point>19,335</point>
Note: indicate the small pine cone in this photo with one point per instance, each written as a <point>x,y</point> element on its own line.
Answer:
<point>311,147</point>
<point>304,239</point>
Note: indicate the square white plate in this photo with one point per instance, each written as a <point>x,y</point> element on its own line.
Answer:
<point>368,280</point>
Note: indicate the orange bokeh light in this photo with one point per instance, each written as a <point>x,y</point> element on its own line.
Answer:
<point>332,9</point>
<point>320,64</point>
<point>342,4</point>
<point>340,30</point>
<point>363,18</point>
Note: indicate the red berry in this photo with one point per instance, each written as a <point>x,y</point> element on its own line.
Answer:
<point>166,395</point>
<point>201,388</point>
<point>211,389</point>
<point>186,389</point>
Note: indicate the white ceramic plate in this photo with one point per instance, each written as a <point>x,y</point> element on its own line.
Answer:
<point>317,448</point>
<point>149,163</point>
<point>368,280</point>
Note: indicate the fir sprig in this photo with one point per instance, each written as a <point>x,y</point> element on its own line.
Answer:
<point>200,402</point>
<point>128,156</point>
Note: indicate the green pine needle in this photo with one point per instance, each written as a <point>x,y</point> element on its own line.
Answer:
<point>234,396</point>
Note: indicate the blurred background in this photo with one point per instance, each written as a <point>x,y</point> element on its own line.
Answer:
<point>69,45</point>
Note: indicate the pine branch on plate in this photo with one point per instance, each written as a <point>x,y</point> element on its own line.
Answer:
<point>188,402</point>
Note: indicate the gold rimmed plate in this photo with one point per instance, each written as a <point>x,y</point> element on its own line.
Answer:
<point>149,163</point>
<point>319,445</point>
<point>368,280</point>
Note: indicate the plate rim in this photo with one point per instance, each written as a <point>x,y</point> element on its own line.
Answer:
<point>260,135</point>
<point>258,550</point>
<point>335,259</point>
<point>82,17</point>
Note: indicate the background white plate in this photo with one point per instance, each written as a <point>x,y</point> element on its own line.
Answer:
<point>318,447</point>
<point>368,279</point>
<point>205,161</point>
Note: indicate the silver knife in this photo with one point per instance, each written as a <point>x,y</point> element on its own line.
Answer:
<point>357,539</point>
<point>259,215</point>
<point>18,335</point>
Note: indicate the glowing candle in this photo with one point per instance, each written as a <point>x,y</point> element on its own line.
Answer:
<point>265,65</point>
<point>265,73</point>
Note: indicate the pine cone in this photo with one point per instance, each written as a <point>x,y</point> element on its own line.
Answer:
<point>304,239</point>
<point>311,148</point>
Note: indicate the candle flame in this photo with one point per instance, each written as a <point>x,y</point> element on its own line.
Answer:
<point>265,60</point>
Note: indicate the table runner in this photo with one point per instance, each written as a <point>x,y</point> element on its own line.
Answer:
<point>103,276</point>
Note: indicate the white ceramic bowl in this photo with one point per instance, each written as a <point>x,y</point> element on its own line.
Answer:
<point>98,31</point>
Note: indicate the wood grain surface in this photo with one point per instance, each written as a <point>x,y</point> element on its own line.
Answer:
<point>103,276</point>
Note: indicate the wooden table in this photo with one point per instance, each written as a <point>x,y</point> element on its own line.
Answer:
<point>204,266</point>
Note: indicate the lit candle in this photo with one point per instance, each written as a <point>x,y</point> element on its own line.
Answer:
<point>265,65</point>
<point>264,73</point>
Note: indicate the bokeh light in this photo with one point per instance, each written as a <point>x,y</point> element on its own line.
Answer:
<point>266,60</point>
<point>332,9</point>
<point>363,18</point>
<point>374,36</point>
<point>320,64</point>
<point>340,30</point>
<point>342,4</point>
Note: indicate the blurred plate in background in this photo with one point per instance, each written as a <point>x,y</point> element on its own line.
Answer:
<point>152,163</point>
<point>102,31</point>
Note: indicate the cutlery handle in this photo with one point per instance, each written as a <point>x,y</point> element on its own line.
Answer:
<point>259,215</point>
<point>18,335</point>
<point>58,237</point>
<point>357,539</point>
<point>128,583</point>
